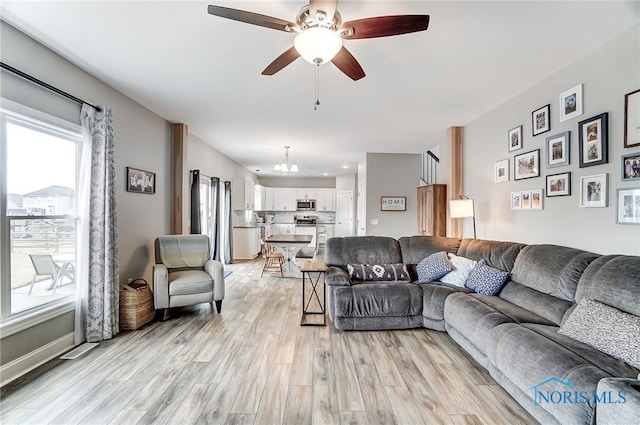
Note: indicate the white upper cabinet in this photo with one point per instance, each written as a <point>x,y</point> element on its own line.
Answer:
<point>325,200</point>
<point>284,199</point>
<point>302,193</point>
<point>260,201</point>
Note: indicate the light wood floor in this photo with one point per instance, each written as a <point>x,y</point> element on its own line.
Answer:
<point>254,364</point>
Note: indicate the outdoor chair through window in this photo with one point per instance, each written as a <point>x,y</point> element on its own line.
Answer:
<point>44,265</point>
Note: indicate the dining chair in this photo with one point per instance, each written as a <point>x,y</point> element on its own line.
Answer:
<point>273,259</point>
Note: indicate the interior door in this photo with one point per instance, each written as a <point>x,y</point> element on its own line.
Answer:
<point>344,213</point>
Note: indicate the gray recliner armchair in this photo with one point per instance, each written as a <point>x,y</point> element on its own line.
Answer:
<point>184,274</point>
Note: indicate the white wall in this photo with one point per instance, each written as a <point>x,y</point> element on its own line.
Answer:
<point>292,181</point>
<point>607,74</point>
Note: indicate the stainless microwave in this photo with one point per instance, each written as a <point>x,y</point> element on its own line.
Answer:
<point>306,205</point>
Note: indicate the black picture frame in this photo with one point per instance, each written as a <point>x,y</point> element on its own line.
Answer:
<point>541,120</point>
<point>514,138</point>
<point>141,181</point>
<point>526,165</point>
<point>593,140</point>
<point>631,119</point>
<point>631,166</point>
<point>558,184</point>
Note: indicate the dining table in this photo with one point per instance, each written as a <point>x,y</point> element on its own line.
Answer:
<point>289,245</point>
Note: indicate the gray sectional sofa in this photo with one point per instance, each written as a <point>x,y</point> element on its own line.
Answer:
<point>513,334</point>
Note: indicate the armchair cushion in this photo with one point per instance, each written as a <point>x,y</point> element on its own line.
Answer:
<point>182,251</point>
<point>190,282</point>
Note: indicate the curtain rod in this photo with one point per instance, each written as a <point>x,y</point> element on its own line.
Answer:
<point>47,86</point>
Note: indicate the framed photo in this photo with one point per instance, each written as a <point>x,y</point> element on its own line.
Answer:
<point>515,138</point>
<point>628,206</point>
<point>501,171</point>
<point>140,181</point>
<point>541,120</point>
<point>393,203</point>
<point>631,166</point>
<point>525,200</point>
<point>593,191</point>
<point>526,165</point>
<point>571,103</point>
<point>559,184</point>
<point>515,201</point>
<point>558,147</point>
<point>632,119</point>
<point>593,140</point>
<point>536,199</point>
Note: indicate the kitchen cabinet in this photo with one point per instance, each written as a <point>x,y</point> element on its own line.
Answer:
<point>432,210</point>
<point>307,230</point>
<point>325,200</point>
<point>302,193</point>
<point>246,243</point>
<point>284,199</point>
<point>259,196</point>
<point>325,231</point>
<point>243,194</point>
<point>269,199</point>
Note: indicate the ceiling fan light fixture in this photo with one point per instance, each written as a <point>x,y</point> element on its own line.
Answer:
<point>318,45</point>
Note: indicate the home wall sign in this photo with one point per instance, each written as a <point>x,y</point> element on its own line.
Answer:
<point>393,203</point>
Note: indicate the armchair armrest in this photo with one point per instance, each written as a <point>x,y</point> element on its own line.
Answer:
<point>216,270</point>
<point>627,394</point>
<point>335,276</point>
<point>160,286</point>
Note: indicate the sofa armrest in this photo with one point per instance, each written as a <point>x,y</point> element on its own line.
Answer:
<point>216,270</point>
<point>335,276</point>
<point>160,286</point>
<point>623,402</point>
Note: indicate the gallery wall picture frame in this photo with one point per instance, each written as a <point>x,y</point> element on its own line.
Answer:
<point>631,166</point>
<point>501,171</point>
<point>559,184</point>
<point>515,201</point>
<point>526,165</point>
<point>632,119</point>
<point>628,206</point>
<point>558,150</point>
<point>541,120</point>
<point>571,103</point>
<point>593,191</point>
<point>593,140</point>
<point>525,200</point>
<point>393,203</point>
<point>536,199</point>
<point>141,181</point>
<point>514,137</point>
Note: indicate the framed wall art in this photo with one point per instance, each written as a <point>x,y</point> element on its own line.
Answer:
<point>631,166</point>
<point>558,147</point>
<point>140,181</point>
<point>526,165</point>
<point>593,140</point>
<point>536,199</point>
<point>525,200</point>
<point>393,203</point>
<point>501,171</point>
<point>593,191</point>
<point>559,184</point>
<point>628,206</point>
<point>515,138</point>
<point>541,120</point>
<point>632,119</point>
<point>571,103</point>
<point>515,201</point>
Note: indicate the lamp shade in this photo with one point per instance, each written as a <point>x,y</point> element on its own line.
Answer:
<point>318,45</point>
<point>461,208</point>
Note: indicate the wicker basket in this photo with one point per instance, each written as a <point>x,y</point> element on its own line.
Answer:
<point>136,305</point>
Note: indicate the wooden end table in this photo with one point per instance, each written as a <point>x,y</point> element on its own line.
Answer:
<point>313,271</point>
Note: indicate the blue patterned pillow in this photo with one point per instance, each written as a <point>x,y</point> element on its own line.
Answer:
<point>485,279</point>
<point>433,267</point>
<point>378,272</point>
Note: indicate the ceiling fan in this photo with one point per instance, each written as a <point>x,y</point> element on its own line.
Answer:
<point>320,31</point>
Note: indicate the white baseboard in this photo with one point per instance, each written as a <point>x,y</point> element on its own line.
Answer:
<point>30,361</point>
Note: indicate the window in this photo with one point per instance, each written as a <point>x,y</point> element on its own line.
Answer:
<point>40,156</point>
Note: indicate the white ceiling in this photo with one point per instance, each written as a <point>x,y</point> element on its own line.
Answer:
<point>190,67</point>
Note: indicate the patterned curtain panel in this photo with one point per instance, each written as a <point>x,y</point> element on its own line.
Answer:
<point>196,226</point>
<point>100,306</point>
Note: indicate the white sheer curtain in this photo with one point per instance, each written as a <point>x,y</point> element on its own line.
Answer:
<point>98,281</point>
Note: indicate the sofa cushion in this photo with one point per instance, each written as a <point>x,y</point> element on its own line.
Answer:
<point>415,248</point>
<point>433,267</point>
<point>608,329</point>
<point>485,279</point>
<point>501,255</point>
<point>433,297</point>
<point>461,269</point>
<point>547,306</point>
<point>378,272</point>
<point>362,250</point>
<point>377,300</point>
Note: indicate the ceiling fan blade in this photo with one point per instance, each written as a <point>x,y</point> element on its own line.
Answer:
<point>346,63</point>
<point>281,61</point>
<point>383,26</point>
<point>251,18</point>
<point>326,6</point>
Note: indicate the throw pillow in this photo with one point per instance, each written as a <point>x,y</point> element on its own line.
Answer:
<point>433,267</point>
<point>485,279</point>
<point>379,272</point>
<point>461,268</point>
<point>605,328</point>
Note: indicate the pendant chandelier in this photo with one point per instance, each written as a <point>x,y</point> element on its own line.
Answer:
<point>286,166</point>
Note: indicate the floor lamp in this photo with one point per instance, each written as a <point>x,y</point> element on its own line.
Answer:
<point>463,208</point>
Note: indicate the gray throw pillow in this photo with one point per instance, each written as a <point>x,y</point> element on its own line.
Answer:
<point>378,272</point>
<point>608,329</point>
<point>485,279</point>
<point>433,267</point>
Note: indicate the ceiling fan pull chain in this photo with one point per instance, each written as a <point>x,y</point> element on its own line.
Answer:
<point>317,102</point>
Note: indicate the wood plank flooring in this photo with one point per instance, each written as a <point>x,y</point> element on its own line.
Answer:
<point>254,364</point>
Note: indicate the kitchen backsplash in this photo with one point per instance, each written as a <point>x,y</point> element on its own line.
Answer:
<point>248,217</point>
